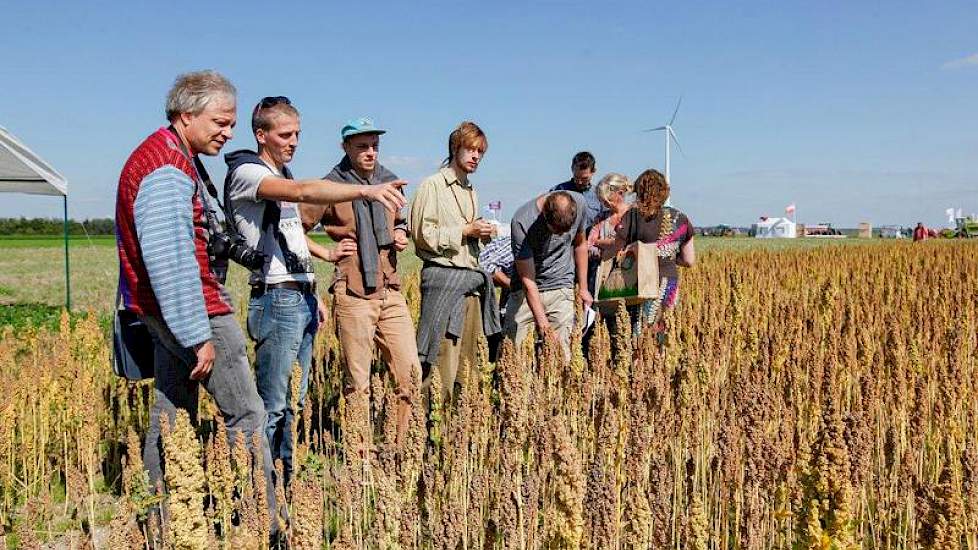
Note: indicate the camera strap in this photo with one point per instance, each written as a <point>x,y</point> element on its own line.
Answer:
<point>203,178</point>
<point>273,215</point>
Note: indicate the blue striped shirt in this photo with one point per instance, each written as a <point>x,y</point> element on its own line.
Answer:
<point>497,256</point>
<point>163,213</point>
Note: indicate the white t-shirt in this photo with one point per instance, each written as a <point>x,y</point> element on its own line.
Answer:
<point>248,210</point>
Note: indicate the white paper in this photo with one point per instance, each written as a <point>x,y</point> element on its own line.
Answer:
<point>590,316</point>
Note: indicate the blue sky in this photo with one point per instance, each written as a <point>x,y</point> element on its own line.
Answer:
<point>855,111</point>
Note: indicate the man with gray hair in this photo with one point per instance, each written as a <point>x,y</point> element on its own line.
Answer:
<point>167,278</point>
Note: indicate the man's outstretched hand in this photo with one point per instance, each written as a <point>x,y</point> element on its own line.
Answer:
<point>388,194</point>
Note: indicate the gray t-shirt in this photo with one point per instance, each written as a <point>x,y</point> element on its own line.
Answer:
<point>242,192</point>
<point>553,255</point>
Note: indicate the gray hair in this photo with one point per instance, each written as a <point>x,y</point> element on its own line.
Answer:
<point>192,92</point>
<point>612,183</point>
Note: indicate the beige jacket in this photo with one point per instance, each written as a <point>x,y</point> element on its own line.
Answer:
<point>444,204</point>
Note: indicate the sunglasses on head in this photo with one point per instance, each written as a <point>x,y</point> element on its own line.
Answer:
<point>271,101</point>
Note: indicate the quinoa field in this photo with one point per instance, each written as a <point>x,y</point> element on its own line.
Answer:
<point>808,395</point>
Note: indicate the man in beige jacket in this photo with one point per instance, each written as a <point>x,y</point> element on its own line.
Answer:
<point>457,298</point>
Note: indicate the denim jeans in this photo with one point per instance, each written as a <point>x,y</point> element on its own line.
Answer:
<point>282,322</point>
<point>229,383</point>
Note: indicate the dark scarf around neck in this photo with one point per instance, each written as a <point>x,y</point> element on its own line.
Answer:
<point>371,218</point>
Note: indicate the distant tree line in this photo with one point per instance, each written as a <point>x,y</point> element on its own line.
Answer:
<point>55,226</point>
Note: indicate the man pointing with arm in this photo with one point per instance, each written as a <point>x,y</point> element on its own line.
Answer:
<point>370,310</point>
<point>284,311</point>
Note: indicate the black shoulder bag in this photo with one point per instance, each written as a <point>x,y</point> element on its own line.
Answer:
<point>133,348</point>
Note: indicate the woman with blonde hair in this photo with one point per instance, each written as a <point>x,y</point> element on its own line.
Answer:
<point>611,191</point>
<point>651,221</point>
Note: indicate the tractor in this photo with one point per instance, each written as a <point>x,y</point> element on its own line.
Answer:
<point>967,228</point>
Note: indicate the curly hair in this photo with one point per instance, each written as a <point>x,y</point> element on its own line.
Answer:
<point>651,192</point>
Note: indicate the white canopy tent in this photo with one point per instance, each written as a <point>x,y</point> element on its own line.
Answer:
<point>775,228</point>
<point>22,171</point>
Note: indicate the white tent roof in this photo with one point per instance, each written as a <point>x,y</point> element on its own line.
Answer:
<point>771,222</point>
<point>22,171</point>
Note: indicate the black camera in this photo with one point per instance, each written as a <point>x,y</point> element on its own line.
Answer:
<point>295,263</point>
<point>222,247</point>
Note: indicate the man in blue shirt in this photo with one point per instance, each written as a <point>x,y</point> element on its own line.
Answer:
<point>582,169</point>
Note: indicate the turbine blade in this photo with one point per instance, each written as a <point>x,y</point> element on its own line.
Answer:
<point>676,140</point>
<point>660,128</point>
<point>674,113</point>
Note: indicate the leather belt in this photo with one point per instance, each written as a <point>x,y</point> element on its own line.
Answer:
<point>259,289</point>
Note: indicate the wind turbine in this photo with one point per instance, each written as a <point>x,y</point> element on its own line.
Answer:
<point>670,134</point>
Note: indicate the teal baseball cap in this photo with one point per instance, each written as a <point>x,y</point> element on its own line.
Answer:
<point>362,125</point>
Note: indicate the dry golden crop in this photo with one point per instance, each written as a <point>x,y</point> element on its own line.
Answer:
<point>819,398</point>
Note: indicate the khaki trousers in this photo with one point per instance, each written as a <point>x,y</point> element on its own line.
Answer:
<point>365,325</point>
<point>558,304</point>
<point>454,351</point>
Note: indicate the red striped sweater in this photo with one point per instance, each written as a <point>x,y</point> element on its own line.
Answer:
<point>158,150</point>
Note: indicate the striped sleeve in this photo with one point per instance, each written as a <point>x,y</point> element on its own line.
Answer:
<point>165,229</point>
<point>497,256</point>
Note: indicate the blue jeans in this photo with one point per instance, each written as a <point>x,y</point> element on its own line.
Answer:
<point>282,322</point>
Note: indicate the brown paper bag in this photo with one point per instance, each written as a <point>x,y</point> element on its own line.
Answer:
<point>632,275</point>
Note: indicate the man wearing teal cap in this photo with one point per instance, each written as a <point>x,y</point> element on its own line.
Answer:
<point>362,125</point>
<point>367,302</point>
